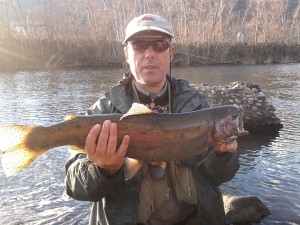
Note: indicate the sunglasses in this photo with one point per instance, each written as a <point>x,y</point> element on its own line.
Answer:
<point>142,46</point>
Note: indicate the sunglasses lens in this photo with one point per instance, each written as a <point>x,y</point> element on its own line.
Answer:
<point>140,46</point>
<point>158,46</point>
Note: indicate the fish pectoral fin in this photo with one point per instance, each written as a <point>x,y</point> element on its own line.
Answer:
<point>69,117</point>
<point>131,167</point>
<point>137,109</point>
<point>75,149</point>
<point>16,153</point>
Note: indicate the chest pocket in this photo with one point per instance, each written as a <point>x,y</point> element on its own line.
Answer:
<point>152,194</point>
<point>183,183</point>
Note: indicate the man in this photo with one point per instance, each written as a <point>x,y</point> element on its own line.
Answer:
<point>182,192</point>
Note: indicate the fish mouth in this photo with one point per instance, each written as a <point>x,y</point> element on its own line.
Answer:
<point>237,120</point>
<point>240,123</point>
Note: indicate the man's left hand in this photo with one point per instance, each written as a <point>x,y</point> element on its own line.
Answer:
<point>226,147</point>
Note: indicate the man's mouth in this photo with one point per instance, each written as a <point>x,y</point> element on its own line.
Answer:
<point>150,67</point>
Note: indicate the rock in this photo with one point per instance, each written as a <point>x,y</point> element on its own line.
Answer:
<point>258,105</point>
<point>254,108</point>
<point>252,86</point>
<point>237,101</point>
<point>261,94</point>
<point>244,209</point>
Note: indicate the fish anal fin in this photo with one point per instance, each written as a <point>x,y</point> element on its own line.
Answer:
<point>131,167</point>
<point>137,109</point>
<point>76,149</point>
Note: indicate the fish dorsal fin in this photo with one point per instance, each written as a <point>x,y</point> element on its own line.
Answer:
<point>69,117</point>
<point>131,167</point>
<point>137,109</point>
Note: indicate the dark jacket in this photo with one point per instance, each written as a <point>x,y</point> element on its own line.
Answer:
<point>116,201</point>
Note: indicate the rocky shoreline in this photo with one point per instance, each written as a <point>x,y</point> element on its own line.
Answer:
<point>259,113</point>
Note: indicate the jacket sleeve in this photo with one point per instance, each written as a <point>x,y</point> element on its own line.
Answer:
<point>220,169</point>
<point>85,182</point>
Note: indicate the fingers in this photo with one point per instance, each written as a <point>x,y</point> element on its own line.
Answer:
<point>124,146</point>
<point>231,147</point>
<point>228,147</point>
<point>103,138</point>
<point>111,138</point>
<point>101,146</point>
<point>91,139</point>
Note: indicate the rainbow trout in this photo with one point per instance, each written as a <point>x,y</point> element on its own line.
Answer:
<point>153,137</point>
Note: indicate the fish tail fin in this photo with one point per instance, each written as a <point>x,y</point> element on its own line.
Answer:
<point>16,153</point>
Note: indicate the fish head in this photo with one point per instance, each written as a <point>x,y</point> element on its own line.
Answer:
<point>229,124</point>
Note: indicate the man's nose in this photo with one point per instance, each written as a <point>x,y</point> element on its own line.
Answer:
<point>149,52</point>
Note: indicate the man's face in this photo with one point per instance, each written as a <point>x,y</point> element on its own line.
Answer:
<point>149,66</point>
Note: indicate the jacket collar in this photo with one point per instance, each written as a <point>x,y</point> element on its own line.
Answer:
<point>119,98</point>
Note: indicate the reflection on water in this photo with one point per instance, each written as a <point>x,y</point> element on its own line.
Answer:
<point>254,141</point>
<point>270,164</point>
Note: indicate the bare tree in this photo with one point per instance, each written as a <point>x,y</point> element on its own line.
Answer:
<point>295,17</point>
<point>216,16</point>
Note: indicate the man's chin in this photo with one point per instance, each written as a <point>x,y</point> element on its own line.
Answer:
<point>152,83</point>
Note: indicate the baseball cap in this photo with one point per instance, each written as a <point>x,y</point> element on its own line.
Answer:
<point>148,22</point>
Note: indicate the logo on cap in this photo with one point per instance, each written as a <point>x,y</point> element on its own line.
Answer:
<point>145,18</point>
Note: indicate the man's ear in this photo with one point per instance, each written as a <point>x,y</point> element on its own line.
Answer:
<point>172,51</point>
<point>126,52</point>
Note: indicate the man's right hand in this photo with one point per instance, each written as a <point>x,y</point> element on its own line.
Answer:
<point>101,147</point>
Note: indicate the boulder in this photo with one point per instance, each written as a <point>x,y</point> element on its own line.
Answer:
<point>244,209</point>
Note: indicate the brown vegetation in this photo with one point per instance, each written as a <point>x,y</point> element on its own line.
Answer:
<point>90,32</point>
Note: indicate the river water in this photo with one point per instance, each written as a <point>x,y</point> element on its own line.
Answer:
<point>270,164</point>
